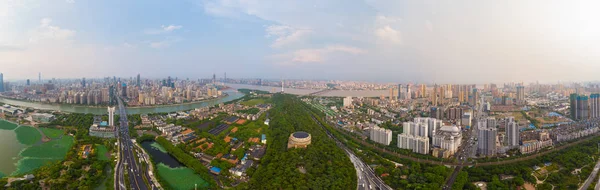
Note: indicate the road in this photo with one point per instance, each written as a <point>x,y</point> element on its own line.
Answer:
<point>367,179</point>
<point>467,147</point>
<point>127,162</point>
<point>591,178</point>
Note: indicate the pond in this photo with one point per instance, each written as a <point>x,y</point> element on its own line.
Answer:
<point>170,170</point>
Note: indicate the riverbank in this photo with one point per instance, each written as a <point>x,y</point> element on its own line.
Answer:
<point>69,108</point>
<point>104,106</point>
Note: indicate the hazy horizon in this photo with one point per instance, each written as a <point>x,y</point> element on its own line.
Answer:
<point>377,41</point>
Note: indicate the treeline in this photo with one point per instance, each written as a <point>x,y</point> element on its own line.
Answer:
<point>77,120</point>
<point>247,91</point>
<point>412,175</point>
<point>187,160</point>
<point>325,166</point>
<point>568,160</point>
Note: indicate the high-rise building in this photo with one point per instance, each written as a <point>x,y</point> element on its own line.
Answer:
<point>582,107</point>
<point>486,145</point>
<point>1,82</point>
<point>111,95</point>
<point>124,90</point>
<point>380,135</point>
<point>83,82</point>
<point>28,82</point>
<point>111,116</point>
<point>520,94</point>
<point>434,95</point>
<point>436,112</point>
<point>416,144</point>
<point>573,105</point>
<point>393,93</point>
<point>408,94</point>
<point>138,82</point>
<point>594,105</point>
<point>348,102</point>
<point>512,133</point>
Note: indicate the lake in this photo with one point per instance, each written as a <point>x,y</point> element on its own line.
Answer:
<point>23,151</point>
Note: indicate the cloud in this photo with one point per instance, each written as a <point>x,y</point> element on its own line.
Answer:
<point>47,31</point>
<point>429,25</point>
<point>315,55</point>
<point>163,29</point>
<point>165,43</point>
<point>388,34</point>
<point>9,48</point>
<point>286,35</point>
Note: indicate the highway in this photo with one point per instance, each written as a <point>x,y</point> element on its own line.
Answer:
<point>367,179</point>
<point>467,148</point>
<point>127,162</point>
<point>591,178</point>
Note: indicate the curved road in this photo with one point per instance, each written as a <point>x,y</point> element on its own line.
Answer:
<point>502,162</point>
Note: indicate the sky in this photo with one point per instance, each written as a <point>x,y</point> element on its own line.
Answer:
<point>369,40</point>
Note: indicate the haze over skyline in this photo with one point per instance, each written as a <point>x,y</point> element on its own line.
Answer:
<point>382,41</point>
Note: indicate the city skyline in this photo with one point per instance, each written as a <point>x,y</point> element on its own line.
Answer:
<point>447,42</point>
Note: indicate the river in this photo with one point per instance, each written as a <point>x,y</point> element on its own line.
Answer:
<point>333,93</point>
<point>232,95</point>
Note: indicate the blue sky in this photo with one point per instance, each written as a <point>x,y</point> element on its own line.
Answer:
<point>373,40</point>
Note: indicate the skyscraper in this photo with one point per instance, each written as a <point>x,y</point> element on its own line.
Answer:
<point>573,105</point>
<point>512,133</point>
<point>380,135</point>
<point>594,105</point>
<point>83,82</point>
<point>408,93</point>
<point>520,94</point>
<point>40,78</point>
<point>137,81</point>
<point>1,82</point>
<point>434,96</point>
<point>28,83</point>
<point>111,116</point>
<point>486,145</point>
<point>582,107</point>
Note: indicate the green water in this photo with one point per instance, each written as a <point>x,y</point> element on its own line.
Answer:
<point>158,147</point>
<point>22,151</point>
<point>10,148</point>
<point>28,135</point>
<point>7,125</point>
<point>180,178</point>
<point>52,133</point>
<point>56,149</point>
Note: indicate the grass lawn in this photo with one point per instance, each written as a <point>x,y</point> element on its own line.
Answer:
<point>253,102</point>
<point>52,133</point>
<point>101,152</point>
<point>28,135</point>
